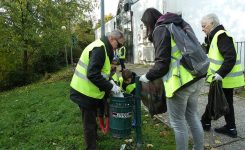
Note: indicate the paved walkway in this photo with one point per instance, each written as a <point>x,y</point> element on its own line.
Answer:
<point>212,139</point>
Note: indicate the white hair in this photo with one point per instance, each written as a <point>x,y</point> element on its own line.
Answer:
<point>212,19</point>
<point>116,34</point>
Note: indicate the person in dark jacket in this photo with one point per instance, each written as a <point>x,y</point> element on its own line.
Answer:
<point>182,89</point>
<point>225,65</point>
<point>90,83</point>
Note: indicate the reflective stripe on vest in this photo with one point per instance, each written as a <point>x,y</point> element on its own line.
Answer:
<point>177,75</point>
<point>120,52</point>
<point>80,82</point>
<point>115,78</point>
<point>233,79</point>
<point>129,88</point>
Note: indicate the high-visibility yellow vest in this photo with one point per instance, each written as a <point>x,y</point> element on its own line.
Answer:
<point>80,82</point>
<point>115,78</point>
<point>129,88</point>
<point>233,79</point>
<point>177,75</point>
<point>120,52</point>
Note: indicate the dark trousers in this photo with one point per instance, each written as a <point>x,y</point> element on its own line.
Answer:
<point>122,64</point>
<point>103,110</point>
<point>89,127</point>
<point>230,117</point>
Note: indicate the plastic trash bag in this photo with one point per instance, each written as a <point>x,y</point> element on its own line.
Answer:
<point>217,104</point>
<point>153,97</point>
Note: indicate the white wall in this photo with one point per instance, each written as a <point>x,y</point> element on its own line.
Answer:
<point>229,12</point>
<point>109,26</point>
<point>138,10</point>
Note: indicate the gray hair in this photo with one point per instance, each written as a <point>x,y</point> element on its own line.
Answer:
<point>116,34</point>
<point>212,19</point>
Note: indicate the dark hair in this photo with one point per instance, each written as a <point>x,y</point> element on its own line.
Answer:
<point>149,18</point>
<point>126,74</point>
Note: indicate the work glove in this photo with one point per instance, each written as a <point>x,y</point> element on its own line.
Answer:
<point>217,77</point>
<point>143,78</point>
<point>112,82</point>
<point>116,89</point>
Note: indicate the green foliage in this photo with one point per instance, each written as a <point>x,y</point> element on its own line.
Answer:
<point>32,34</point>
<point>106,19</point>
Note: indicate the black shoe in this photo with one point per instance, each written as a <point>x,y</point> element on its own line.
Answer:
<point>224,130</point>
<point>206,126</point>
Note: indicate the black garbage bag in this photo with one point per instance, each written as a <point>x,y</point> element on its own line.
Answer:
<point>217,104</point>
<point>153,97</point>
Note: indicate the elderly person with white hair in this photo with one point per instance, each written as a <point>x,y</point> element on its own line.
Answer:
<point>90,83</point>
<point>225,65</point>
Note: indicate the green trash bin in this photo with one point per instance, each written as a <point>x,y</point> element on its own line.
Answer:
<point>121,116</point>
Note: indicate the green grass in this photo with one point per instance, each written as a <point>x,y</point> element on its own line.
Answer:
<point>41,116</point>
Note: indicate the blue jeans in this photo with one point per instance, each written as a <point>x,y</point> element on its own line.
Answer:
<point>182,108</point>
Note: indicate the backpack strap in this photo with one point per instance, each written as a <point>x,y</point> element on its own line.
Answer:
<point>162,25</point>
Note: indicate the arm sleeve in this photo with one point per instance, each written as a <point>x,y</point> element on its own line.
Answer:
<point>162,45</point>
<point>97,59</point>
<point>227,50</point>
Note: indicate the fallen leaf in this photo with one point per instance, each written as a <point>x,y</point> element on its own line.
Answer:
<point>217,142</point>
<point>163,133</point>
<point>149,145</point>
<point>130,140</point>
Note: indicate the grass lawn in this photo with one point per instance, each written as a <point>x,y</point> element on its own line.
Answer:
<point>41,116</point>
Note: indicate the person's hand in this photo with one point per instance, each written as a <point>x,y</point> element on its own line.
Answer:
<point>217,77</point>
<point>143,78</point>
<point>112,82</point>
<point>116,89</point>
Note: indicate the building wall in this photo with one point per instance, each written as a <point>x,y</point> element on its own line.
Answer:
<point>143,50</point>
<point>229,12</point>
<point>109,26</point>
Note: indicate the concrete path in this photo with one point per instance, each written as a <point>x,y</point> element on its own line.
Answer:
<point>212,139</point>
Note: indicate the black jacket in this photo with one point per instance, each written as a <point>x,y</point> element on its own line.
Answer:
<point>96,62</point>
<point>162,45</point>
<point>226,48</point>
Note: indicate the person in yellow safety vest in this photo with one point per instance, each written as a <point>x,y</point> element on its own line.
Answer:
<point>225,65</point>
<point>90,83</point>
<point>127,81</point>
<point>104,109</point>
<point>122,56</point>
<point>181,87</point>
<point>128,85</point>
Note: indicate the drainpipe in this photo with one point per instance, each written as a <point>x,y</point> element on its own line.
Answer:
<point>102,18</point>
